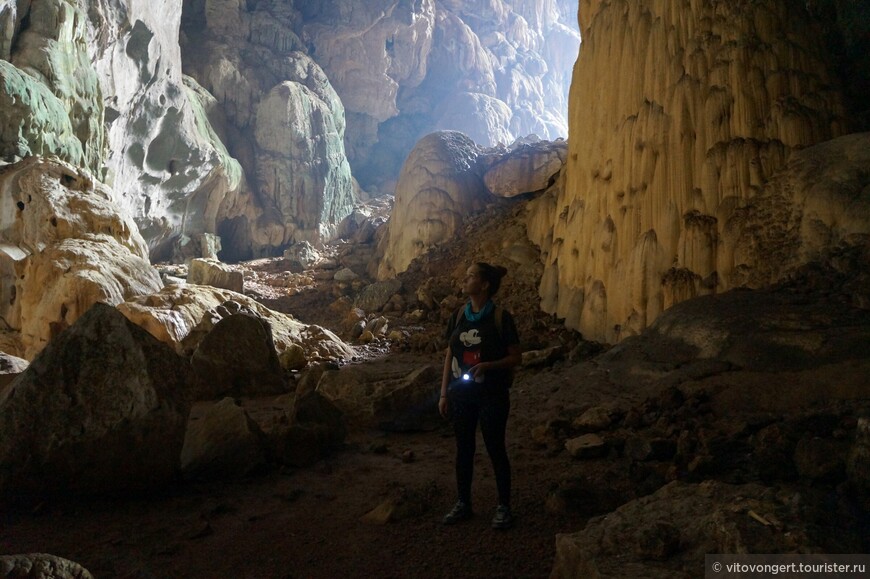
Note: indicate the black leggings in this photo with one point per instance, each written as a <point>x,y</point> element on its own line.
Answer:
<point>491,410</point>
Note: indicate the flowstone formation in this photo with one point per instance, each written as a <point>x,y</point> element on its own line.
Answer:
<point>682,114</point>
<point>282,119</point>
<point>399,70</point>
<point>64,246</point>
<point>99,84</point>
<point>446,178</point>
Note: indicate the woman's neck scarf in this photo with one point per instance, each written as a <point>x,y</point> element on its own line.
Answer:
<point>476,317</point>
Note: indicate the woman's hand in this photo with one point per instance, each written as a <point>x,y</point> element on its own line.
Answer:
<point>443,405</point>
<point>478,370</point>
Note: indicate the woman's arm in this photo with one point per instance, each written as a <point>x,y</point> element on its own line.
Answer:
<point>445,380</point>
<point>514,358</point>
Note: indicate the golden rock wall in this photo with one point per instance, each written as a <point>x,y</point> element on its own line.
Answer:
<point>680,112</point>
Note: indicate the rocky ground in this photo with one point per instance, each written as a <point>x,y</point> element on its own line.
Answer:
<point>737,423</point>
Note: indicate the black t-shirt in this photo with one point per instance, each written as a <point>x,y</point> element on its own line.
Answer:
<point>480,341</point>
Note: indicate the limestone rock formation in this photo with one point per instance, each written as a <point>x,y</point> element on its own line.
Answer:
<point>675,129</point>
<point>99,84</point>
<point>101,410</point>
<point>65,246</point>
<point>301,166</point>
<point>447,179</point>
<point>284,121</point>
<point>54,95</point>
<point>216,274</point>
<point>174,313</point>
<point>254,148</point>
<point>497,70</point>
<point>166,159</point>
<point>526,168</point>
<point>439,185</point>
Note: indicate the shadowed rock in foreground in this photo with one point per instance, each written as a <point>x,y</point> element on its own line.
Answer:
<point>102,410</point>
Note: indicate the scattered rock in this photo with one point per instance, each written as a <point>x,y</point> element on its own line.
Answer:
<point>595,419</point>
<point>41,566</point>
<point>10,367</point>
<point>642,449</point>
<point>302,253</point>
<point>544,357</point>
<point>586,446</point>
<point>345,275</point>
<point>821,459</point>
<point>373,297</point>
<point>293,358</point>
<point>216,274</point>
<point>403,503</point>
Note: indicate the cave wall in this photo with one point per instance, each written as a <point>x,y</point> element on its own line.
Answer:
<point>99,85</point>
<point>680,112</point>
<point>496,70</point>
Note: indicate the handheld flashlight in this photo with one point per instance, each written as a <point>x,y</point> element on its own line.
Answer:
<point>466,377</point>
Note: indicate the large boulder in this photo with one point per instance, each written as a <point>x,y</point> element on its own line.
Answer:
<point>667,534</point>
<point>375,296</point>
<point>67,246</point>
<point>222,442</point>
<point>237,358</point>
<point>526,168</point>
<point>101,410</point>
<point>216,274</point>
<point>392,402</point>
<point>439,185</point>
<point>315,427</point>
<point>183,315</point>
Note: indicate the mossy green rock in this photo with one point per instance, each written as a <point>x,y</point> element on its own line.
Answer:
<point>32,120</point>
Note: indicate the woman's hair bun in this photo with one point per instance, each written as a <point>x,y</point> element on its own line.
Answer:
<point>492,274</point>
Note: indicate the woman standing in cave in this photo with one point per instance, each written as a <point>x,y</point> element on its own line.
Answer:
<point>483,347</point>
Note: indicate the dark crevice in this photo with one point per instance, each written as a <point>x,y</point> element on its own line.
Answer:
<point>23,26</point>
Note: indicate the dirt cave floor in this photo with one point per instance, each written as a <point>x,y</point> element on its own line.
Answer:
<point>307,522</point>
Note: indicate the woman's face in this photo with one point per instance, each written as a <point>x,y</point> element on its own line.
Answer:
<point>474,284</point>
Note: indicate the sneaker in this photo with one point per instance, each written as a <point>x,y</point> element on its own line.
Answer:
<point>460,512</point>
<point>503,518</point>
